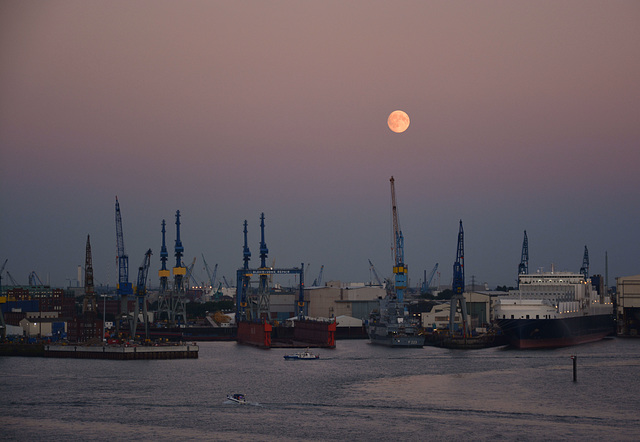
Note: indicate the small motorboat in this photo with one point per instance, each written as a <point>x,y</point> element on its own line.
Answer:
<point>306,354</point>
<point>237,398</point>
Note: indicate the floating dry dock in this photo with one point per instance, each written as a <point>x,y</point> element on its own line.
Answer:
<point>122,352</point>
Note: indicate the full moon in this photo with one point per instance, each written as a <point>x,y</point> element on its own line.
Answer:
<point>398,121</point>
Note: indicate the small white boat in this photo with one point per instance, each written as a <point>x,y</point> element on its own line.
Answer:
<point>306,354</point>
<point>237,398</point>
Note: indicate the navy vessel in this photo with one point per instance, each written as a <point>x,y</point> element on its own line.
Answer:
<point>393,326</point>
<point>554,309</point>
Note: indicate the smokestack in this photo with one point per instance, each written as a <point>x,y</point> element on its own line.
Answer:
<point>79,275</point>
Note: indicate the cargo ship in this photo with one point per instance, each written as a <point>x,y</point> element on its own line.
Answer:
<point>554,309</point>
<point>392,325</point>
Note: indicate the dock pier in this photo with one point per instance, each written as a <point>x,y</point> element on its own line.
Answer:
<point>121,352</point>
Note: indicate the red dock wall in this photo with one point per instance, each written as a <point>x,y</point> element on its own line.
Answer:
<point>255,333</point>
<point>315,332</point>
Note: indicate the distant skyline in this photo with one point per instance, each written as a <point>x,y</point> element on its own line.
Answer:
<point>524,116</point>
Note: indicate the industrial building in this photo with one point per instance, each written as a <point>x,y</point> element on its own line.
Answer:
<point>628,305</point>
<point>43,324</point>
<point>334,299</point>
<point>479,310</point>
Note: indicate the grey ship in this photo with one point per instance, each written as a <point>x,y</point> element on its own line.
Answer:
<point>393,326</point>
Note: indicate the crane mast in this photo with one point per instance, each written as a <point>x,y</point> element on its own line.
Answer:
<point>318,281</point>
<point>164,273</point>
<point>179,271</point>
<point>124,286</point>
<point>89,305</point>
<point>212,276</point>
<point>458,266</point>
<point>141,293</point>
<point>178,302</point>
<point>375,273</point>
<point>243,285</point>
<point>585,264</point>
<point>399,268</point>
<point>264,279</point>
<point>523,267</point>
<point>427,280</point>
<point>458,287</point>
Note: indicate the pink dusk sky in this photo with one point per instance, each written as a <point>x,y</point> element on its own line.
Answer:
<point>524,116</point>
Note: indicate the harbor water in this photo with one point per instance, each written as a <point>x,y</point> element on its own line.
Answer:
<point>356,391</point>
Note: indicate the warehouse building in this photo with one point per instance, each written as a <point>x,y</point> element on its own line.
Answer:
<point>628,305</point>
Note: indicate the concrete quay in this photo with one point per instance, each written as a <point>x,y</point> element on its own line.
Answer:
<point>122,352</point>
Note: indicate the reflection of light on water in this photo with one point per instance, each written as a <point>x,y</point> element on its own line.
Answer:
<point>450,390</point>
<point>544,391</point>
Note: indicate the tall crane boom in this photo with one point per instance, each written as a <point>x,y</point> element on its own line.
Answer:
<point>523,267</point>
<point>458,266</point>
<point>318,281</point>
<point>399,268</point>
<point>143,271</point>
<point>264,279</point>
<point>89,304</point>
<point>585,264</point>
<point>375,273</point>
<point>34,279</point>
<point>124,286</point>
<point>141,293</point>
<point>164,273</point>
<point>179,271</point>
<point>458,288</point>
<point>212,276</point>
<point>189,276</point>
<point>427,280</point>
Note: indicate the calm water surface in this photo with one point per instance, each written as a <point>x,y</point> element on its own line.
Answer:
<point>356,392</point>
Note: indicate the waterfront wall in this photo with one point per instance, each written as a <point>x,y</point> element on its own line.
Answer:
<point>121,352</point>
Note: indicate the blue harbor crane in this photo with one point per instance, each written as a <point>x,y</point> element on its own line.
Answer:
<point>264,278</point>
<point>164,273</point>
<point>165,297</point>
<point>178,301</point>
<point>124,288</point>
<point>243,285</point>
<point>585,264</point>
<point>141,294</point>
<point>427,280</point>
<point>179,271</point>
<point>257,304</point>
<point>212,276</point>
<point>246,253</point>
<point>523,267</point>
<point>34,279</point>
<point>318,281</point>
<point>458,287</point>
<point>399,268</point>
<point>89,304</point>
